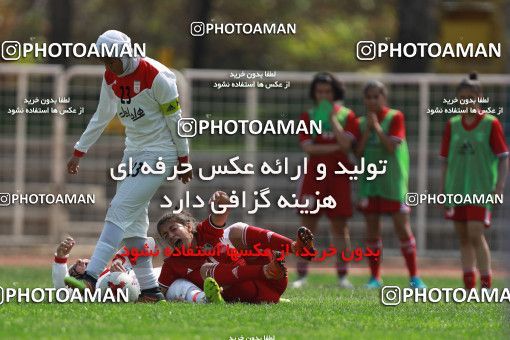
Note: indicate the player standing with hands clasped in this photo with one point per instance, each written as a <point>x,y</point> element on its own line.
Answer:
<point>384,140</point>
<point>143,93</point>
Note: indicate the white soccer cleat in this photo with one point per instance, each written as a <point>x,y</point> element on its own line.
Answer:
<point>344,283</point>
<point>299,283</point>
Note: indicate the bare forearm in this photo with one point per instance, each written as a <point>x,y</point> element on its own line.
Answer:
<point>343,139</point>
<point>360,145</point>
<point>386,140</point>
<point>502,173</point>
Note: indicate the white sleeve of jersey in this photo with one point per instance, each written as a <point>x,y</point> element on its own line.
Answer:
<point>165,92</point>
<point>104,114</point>
<point>59,273</point>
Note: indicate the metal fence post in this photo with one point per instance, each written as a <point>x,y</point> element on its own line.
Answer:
<point>58,214</point>
<point>20,153</point>
<point>423,150</point>
<point>252,106</point>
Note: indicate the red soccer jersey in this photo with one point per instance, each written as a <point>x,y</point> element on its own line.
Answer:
<point>188,267</point>
<point>496,138</point>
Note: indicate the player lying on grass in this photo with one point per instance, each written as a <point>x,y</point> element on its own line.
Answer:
<point>180,290</point>
<point>256,279</point>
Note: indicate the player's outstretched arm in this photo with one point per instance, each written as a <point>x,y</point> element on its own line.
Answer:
<point>165,92</point>
<point>103,115</point>
<point>217,199</point>
<point>59,269</point>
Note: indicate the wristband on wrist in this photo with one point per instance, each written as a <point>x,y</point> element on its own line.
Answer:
<point>78,153</point>
<point>59,259</point>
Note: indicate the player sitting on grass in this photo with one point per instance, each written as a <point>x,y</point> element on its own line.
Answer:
<point>180,290</point>
<point>254,279</point>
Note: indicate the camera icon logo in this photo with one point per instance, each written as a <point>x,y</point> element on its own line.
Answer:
<point>391,295</point>
<point>412,199</point>
<point>11,50</point>
<point>187,127</point>
<point>366,50</point>
<point>5,199</point>
<point>197,28</point>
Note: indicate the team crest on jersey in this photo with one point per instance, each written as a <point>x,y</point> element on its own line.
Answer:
<point>136,86</point>
<point>466,148</point>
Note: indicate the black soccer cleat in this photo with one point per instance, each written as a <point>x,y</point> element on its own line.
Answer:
<point>151,295</point>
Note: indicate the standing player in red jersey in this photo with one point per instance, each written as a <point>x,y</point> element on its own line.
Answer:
<point>254,280</point>
<point>384,138</point>
<point>339,132</point>
<point>475,163</point>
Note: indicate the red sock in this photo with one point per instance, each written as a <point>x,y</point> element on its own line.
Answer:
<point>341,269</point>
<point>408,248</point>
<point>227,274</point>
<point>302,268</point>
<point>469,279</point>
<point>267,239</point>
<point>486,280</point>
<point>374,262</point>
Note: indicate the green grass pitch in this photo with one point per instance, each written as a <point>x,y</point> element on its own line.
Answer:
<point>319,311</point>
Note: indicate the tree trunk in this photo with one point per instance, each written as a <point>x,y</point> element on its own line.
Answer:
<point>201,12</point>
<point>416,21</point>
<point>60,17</point>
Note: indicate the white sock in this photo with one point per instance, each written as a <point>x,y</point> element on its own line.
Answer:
<point>143,267</point>
<point>106,246</point>
<point>183,290</point>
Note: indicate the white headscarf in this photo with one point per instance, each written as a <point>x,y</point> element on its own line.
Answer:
<point>114,37</point>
